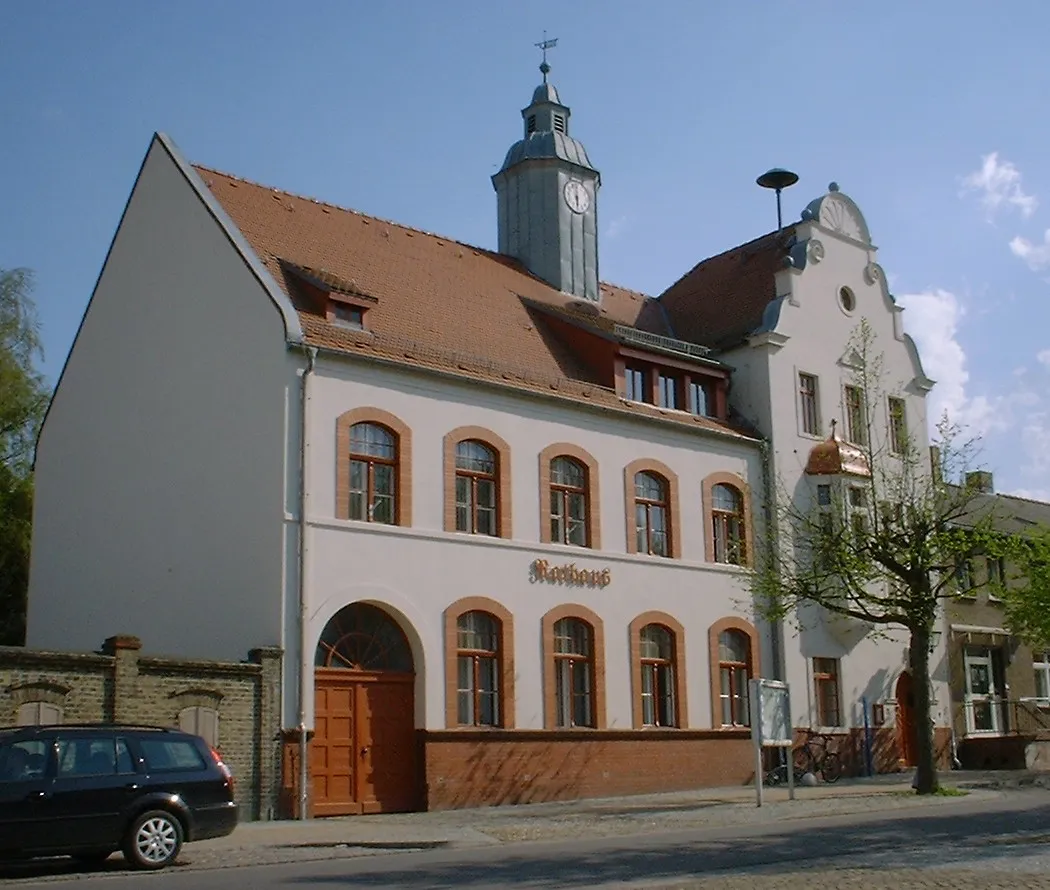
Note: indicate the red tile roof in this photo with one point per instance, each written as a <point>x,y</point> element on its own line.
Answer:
<point>436,302</point>
<point>721,300</point>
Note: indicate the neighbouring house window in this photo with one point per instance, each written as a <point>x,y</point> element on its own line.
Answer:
<point>201,721</point>
<point>826,691</point>
<point>1042,677</point>
<point>373,473</point>
<point>898,426</point>
<point>635,385</point>
<point>348,316</point>
<point>824,495</point>
<point>574,673</point>
<point>656,646</point>
<point>569,502</point>
<point>964,575</point>
<point>38,713</point>
<point>734,672</point>
<point>476,489</point>
<point>668,389</point>
<point>727,516</point>
<point>650,514</point>
<point>478,669</point>
<point>807,396</point>
<point>996,568</point>
<point>856,416</point>
<point>700,400</point>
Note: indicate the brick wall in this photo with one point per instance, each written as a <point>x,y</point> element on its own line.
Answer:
<point>466,768</point>
<point>119,684</point>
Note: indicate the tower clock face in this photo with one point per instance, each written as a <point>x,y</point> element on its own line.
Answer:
<point>577,196</point>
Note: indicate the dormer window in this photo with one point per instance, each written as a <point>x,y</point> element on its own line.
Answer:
<point>347,316</point>
<point>559,123</point>
<point>530,124</point>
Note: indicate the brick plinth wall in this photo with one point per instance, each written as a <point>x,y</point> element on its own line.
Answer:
<point>885,749</point>
<point>469,769</point>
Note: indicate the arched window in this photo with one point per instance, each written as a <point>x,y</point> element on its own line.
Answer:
<point>569,502</point>
<point>658,688</point>
<point>573,673</point>
<point>478,669</point>
<point>727,517</point>
<point>362,637</point>
<point>734,671</point>
<point>477,489</point>
<point>373,474</point>
<point>650,515</point>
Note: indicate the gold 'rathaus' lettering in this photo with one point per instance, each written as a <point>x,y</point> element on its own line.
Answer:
<point>570,574</point>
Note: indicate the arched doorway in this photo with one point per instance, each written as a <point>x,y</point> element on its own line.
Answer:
<point>362,757</point>
<point>906,737</point>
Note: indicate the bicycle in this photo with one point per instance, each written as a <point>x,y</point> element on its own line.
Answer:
<point>805,759</point>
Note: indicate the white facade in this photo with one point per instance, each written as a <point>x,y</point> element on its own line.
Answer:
<point>417,572</point>
<point>810,336</point>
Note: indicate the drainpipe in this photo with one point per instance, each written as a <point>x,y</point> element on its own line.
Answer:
<point>305,662</point>
<point>771,538</point>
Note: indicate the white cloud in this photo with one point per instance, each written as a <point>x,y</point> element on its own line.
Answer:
<point>999,185</point>
<point>1043,357</point>
<point>1036,255</point>
<point>932,318</point>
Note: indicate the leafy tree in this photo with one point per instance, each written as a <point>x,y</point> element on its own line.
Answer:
<point>878,539</point>
<point>23,401</point>
<point>1025,592</point>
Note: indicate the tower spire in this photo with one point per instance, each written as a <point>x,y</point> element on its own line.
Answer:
<point>545,45</point>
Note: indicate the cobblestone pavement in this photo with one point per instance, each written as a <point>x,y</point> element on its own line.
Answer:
<point>582,820</point>
<point>870,879</point>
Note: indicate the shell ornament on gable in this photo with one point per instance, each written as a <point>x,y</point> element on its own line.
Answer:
<point>838,216</point>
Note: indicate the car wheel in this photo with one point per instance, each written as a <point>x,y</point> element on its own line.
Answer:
<point>92,857</point>
<point>153,840</point>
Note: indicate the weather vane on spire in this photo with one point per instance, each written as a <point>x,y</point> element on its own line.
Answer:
<point>545,45</point>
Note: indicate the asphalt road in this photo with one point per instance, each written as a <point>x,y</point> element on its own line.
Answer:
<point>986,844</point>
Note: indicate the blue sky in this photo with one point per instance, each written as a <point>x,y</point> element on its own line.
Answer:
<point>931,115</point>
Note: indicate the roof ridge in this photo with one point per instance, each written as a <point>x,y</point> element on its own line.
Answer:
<point>342,209</point>
<point>1020,497</point>
<point>785,230</point>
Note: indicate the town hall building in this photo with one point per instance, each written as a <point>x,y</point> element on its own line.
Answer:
<point>499,516</point>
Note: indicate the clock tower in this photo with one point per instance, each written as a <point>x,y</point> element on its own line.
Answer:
<point>547,194</point>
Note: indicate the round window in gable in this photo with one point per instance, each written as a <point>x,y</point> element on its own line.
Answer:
<point>847,301</point>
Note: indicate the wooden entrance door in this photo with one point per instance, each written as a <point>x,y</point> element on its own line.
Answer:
<point>362,756</point>
<point>906,720</point>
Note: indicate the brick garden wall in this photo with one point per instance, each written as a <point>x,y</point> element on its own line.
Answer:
<point>121,685</point>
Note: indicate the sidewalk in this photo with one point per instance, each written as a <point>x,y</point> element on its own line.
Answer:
<point>287,841</point>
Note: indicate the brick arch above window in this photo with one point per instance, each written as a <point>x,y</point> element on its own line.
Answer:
<point>707,493</point>
<point>658,468</point>
<point>573,610</point>
<point>635,631</point>
<point>506,656</point>
<point>567,449</point>
<point>403,475</point>
<point>754,666</point>
<point>503,486</point>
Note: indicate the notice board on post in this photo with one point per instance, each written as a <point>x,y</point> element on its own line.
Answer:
<point>771,713</point>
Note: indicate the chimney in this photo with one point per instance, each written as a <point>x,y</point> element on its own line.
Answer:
<point>981,480</point>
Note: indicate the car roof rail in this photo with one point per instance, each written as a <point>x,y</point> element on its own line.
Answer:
<point>97,725</point>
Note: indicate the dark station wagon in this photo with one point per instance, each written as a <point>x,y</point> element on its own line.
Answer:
<point>89,790</point>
